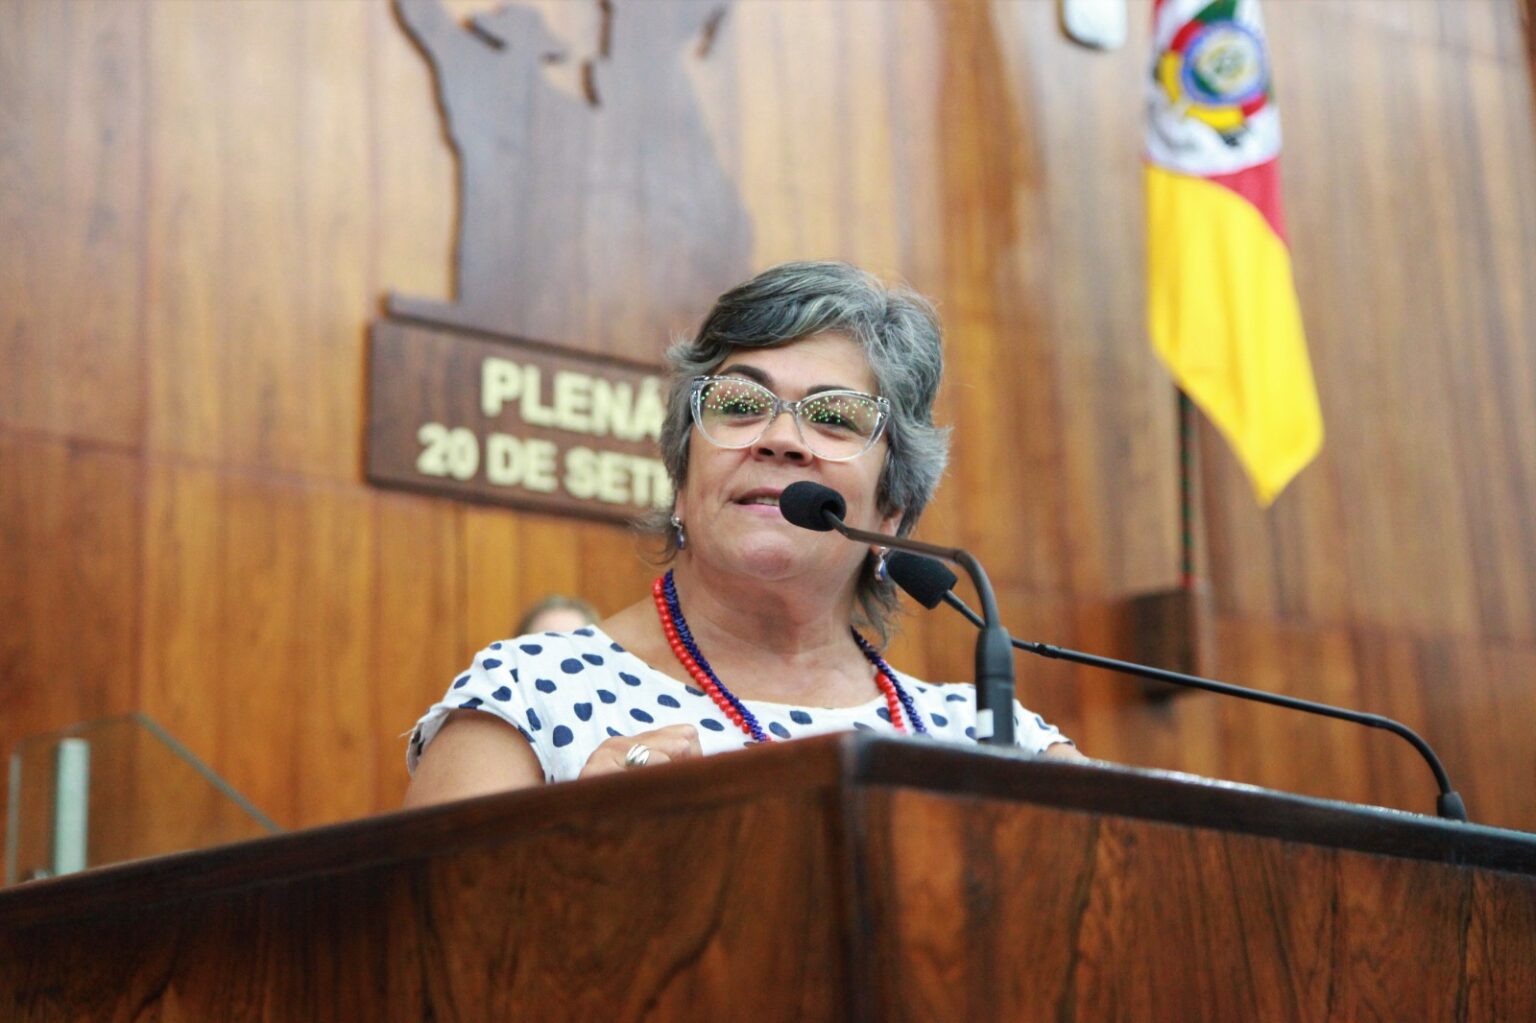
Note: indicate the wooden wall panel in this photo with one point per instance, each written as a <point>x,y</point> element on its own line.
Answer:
<point>72,81</point>
<point>1408,169</point>
<point>70,550</point>
<point>411,169</point>
<point>257,150</point>
<point>203,205</point>
<point>417,604</point>
<point>1112,421</point>
<point>294,632</point>
<point>69,544</point>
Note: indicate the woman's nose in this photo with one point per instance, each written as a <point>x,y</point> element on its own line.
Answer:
<point>782,440</point>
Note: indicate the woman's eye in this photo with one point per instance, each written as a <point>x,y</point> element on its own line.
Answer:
<point>832,420</point>
<point>736,405</point>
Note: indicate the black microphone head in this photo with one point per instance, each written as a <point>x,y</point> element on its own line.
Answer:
<point>807,505</point>
<point>924,579</point>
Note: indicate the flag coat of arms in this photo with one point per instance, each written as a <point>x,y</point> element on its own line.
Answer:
<point>1221,302</point>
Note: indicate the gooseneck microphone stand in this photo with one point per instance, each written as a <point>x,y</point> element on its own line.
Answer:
<point>930,583</point>
<point>813,506</point>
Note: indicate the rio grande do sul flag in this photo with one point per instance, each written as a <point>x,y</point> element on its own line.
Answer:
<point>1221,304</point>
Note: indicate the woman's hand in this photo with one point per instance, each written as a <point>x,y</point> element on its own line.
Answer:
<point>674,742</point>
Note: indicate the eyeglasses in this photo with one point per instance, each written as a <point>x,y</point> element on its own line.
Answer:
<point>732,412</point>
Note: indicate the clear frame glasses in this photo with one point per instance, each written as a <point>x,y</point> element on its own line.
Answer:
<point>734,412</point>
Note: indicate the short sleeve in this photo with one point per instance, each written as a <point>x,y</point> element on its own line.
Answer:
<point>1033,732</point>
<point>493,685</point>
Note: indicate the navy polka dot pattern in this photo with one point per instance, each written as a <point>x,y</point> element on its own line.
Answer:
<point>567,693</point>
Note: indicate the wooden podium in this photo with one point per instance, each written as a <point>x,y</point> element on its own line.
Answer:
<point>847,877</point>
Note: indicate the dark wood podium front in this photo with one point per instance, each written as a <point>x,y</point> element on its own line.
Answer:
<point>836,878</point>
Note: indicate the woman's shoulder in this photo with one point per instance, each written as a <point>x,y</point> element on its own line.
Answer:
<point>588,643</point>
<point>585,654</point>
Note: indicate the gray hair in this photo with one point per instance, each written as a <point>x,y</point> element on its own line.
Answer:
<point>900,335</point>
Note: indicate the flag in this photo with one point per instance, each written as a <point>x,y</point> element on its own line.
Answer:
<point>1221,303</point>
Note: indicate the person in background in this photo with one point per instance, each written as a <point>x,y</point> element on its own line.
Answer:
<point>556,613</point>
<point>760,631</point>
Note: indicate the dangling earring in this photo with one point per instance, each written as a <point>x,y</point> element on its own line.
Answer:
<point>682,537</point>
<point>881,575</point>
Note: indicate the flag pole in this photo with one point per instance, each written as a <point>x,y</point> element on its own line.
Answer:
<point>1187,456</point>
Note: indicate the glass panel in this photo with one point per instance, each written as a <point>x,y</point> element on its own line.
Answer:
<point>112,790</point>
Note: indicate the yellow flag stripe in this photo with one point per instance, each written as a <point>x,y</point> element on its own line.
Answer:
<point>1223,317</point>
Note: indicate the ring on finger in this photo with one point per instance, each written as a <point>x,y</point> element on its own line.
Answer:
<point>638,756</point>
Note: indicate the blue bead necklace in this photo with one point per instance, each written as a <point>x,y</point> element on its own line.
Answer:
<point>678,634</point>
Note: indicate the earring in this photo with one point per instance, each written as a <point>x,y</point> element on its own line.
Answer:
<point>682,537</point>
<point>881,575</point>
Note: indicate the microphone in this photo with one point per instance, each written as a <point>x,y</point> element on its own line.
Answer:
<point>813,506</point>
<point>929,582</point>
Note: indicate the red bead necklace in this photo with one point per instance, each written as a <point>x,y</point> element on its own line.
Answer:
<point>681,640</point>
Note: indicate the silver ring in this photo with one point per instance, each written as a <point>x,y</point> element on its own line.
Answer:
<point>638,756</point>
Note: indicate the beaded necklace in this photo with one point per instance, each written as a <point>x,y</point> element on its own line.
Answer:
<point>897,700</point>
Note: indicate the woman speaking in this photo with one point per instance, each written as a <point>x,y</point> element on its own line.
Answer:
<point>760,631</point>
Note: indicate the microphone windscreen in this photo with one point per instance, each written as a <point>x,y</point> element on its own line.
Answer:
<point>924,579</point>
<point>806,504</point>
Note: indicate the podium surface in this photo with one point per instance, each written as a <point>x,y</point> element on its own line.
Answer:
<point>844,877</point>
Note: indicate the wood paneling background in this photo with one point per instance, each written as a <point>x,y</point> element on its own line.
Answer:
<point>202,204</point>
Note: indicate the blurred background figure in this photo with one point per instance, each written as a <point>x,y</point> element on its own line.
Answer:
<point>556,613</point>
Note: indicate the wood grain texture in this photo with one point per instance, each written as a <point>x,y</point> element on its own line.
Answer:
<point>843,877</point>
<point>258,233</point>
<point>1420,325</point>
<point>70,520</point>
<point>205,204</point>
<point>307,615</point>
<point>72,157</point>
<point>1103,918</point>
<point>485,910</point>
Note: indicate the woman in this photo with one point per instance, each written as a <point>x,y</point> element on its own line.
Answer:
<point>808,371</point>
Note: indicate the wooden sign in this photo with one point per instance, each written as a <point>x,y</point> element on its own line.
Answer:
<point>514,422</point>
